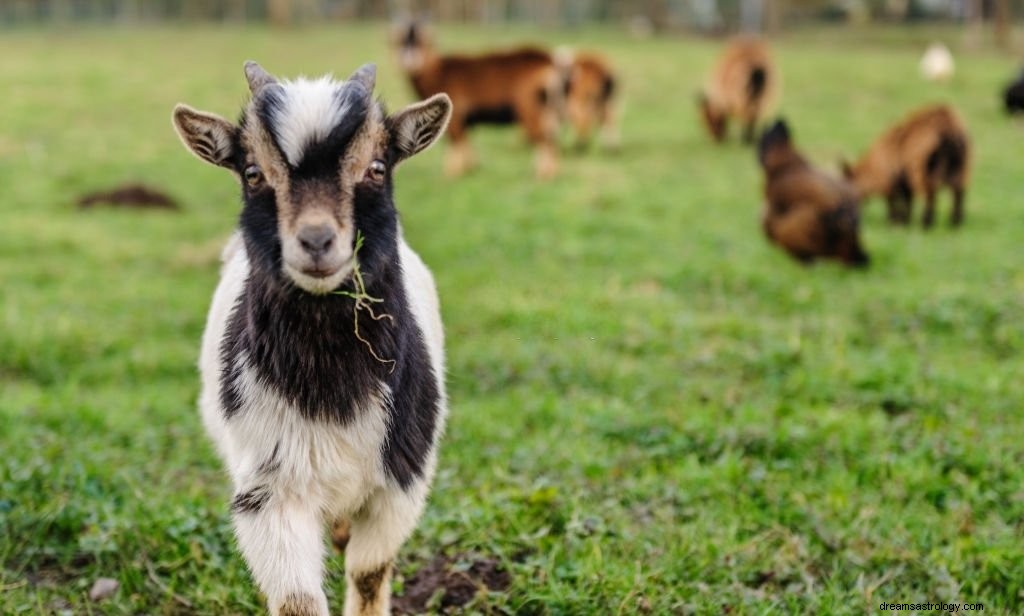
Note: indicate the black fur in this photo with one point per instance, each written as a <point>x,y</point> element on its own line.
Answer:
<point>607,88</point>
<point>774,136</point>
<point>492,115</point>
<point>304,347</point>
<point>353,96</point>
<point>901,189</point>
<point>841,233</point>
<point>272,463</point>
<point>1013,96</point>
<point>412,37</point>
<point>948,158</point>
<point>757,82</point>
<point>252,501</point>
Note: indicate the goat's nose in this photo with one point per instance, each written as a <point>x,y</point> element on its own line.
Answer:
<point>316,240</point>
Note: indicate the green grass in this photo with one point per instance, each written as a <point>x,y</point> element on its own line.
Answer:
<point>652,408</point>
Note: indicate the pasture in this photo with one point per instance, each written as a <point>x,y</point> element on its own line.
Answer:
<point>653,410</point>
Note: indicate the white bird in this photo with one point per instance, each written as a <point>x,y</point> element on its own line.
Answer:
<point>937,63</point>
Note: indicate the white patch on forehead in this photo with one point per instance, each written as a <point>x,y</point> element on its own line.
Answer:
<point>309,111</point>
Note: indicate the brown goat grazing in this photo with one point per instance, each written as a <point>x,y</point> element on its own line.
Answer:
<point>925,151</point>
<point>743,85</point>
<point>807,212</point>
<point>590,97</point>
<point>515,86</point>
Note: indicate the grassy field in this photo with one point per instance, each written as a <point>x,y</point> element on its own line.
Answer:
<point>652,409</point>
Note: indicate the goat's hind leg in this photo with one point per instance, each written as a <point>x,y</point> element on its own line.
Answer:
<point>377,533</point>
<point>750,128</point>
<point>892,204</point>
<point>282,542</point>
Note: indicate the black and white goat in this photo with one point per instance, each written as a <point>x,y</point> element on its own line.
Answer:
<point>321,419</point>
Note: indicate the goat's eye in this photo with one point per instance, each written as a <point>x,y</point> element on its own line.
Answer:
<point>376,170</point>
<point>253,175</point>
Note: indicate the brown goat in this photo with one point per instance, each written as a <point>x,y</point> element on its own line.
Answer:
<point>590,97</point>
<point>808,213</point>
<point>744,84</point>
<point>925,151</point>
<point>514,86</point>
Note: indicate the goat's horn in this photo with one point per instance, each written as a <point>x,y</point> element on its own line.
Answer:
<point>258,78</point>
<point>366,75</point>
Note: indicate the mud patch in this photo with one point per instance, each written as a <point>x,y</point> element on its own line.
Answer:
<point>129,196</point>
<point>448,582</point>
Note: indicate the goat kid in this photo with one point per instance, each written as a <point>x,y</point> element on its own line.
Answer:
<point>743,85</point>
<point>925,151</point>
<point>518,86</point>
<point>808,213</point>
<point>590,98</point>
<point>323,357</point>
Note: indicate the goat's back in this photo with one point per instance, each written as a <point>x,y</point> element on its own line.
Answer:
<point>490,80</point>
<point>744,78</point>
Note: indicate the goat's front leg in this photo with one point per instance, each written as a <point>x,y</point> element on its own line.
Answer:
<point>749,129</point>
<point>282,542</point>
<point>958,207</point>
<point>929,208</point>
<point>377,533</point>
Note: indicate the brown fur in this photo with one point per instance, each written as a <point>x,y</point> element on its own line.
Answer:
<point>340,535</point>
<point>927,150</point>
<point>372,590</point>
<point>517,85</point>
<point>298,605</point>
<point>808,213</point>
<point>591,98</point>
<point>735,90</point>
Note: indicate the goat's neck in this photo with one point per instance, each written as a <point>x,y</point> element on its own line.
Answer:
<point>425,78</point>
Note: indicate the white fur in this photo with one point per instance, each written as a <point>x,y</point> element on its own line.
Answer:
<point>310,112</point>
<point>316,286</point>
<point>326,471</point>
<point>937,63</point>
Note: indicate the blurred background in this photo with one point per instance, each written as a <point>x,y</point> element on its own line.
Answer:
<point>650,16</point>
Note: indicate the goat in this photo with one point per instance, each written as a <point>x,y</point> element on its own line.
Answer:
<point>503,87</point>
<point>743,84</point>
<point>322,362</point>
<point>589,98</point>
<point>808,213</point>
<point>926,150</point>
<point>1013,95</point>
<point>937,63</point>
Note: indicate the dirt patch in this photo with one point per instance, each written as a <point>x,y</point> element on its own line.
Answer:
<point>448,582</point>
<point>130,196</point>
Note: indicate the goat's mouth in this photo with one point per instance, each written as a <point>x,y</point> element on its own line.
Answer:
<point>320,272</point>
<point>319,280</point>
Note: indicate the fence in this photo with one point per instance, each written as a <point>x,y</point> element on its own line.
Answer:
<point>657,15</point>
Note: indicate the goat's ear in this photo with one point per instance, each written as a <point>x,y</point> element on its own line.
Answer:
<point>208,136</point>
<point>418,126</point>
